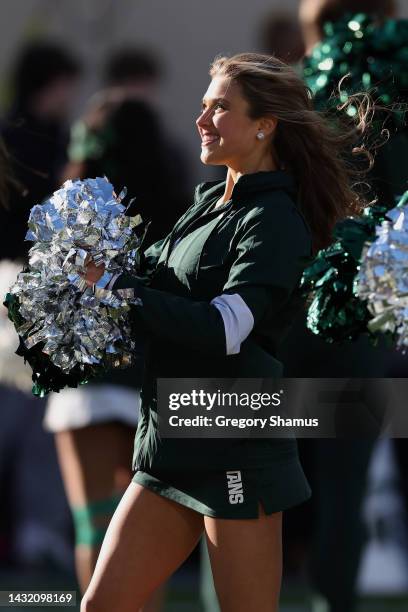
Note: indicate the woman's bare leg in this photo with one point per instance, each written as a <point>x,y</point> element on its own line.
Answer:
<point>148,538</point>
<point>246,561</point>
<point>91,474</point>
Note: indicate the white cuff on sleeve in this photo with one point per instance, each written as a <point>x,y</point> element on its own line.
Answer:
<point>238,320</point>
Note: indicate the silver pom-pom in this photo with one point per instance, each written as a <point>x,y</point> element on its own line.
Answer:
<point>383,276</point>
<point>76,323</point>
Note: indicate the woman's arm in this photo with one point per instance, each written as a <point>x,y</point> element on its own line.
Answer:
<point>267,268</point>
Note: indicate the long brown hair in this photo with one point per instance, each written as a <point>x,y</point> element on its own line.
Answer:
<point>313,149</point>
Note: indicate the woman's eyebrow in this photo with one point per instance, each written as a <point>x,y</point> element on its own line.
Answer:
<point>205,100</point>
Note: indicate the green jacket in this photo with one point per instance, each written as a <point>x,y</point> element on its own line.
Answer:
<point>256,246</point>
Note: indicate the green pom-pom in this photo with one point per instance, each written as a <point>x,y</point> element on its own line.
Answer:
<point>336,313</point>
<point>374,56</point>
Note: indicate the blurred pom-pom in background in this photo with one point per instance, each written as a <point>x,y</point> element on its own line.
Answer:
<point>339,310</point>
<point>382,280</point>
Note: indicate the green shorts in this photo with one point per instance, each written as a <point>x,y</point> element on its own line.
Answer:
<point>232,494</point>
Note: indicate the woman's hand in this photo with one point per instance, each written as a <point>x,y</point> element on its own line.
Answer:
<point>93,272</point>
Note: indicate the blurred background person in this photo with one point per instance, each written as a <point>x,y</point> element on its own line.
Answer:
<point>34,130</point>
<point>338,469</point>
<point>280,35</point>
<point>120,136</point>
<point>121,126</point>
<point>34,535</point>
<point>135,71</point>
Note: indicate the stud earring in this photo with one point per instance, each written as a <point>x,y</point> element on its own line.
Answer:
<point>260,135</point>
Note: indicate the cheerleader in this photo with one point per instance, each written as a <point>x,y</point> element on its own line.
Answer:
<point>223,292</point>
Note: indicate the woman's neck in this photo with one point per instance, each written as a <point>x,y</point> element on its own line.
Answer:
<point>267,165</point>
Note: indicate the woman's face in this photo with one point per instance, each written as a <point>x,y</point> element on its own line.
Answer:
<point>228,134</point>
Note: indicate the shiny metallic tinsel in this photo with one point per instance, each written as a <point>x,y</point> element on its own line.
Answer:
<point>383,276</point>
<point>78,325</point>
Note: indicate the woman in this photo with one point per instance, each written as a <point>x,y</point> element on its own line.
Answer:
<point>222,293</point>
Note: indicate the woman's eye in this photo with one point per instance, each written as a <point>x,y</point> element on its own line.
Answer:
<point>215,106</point>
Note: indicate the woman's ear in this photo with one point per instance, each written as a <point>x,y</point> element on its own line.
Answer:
<point>267,125</point>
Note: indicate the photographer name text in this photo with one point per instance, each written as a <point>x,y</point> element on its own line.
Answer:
<point>241,423</point>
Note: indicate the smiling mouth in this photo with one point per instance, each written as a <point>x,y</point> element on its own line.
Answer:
<point>207,141</point>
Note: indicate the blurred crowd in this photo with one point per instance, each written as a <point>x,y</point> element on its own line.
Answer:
<point>66,459</point>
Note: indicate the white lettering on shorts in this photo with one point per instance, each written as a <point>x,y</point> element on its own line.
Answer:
<point>235,489</point>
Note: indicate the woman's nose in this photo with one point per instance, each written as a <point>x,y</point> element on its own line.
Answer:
<point>204,118</point>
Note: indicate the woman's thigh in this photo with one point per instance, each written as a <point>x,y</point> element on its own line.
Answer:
<point>246,561</point>
<point>147,540</point>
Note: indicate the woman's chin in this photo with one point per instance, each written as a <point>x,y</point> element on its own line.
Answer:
<point>210,159</point>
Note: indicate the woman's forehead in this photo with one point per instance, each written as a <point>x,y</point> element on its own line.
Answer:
<point>221,87</point>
